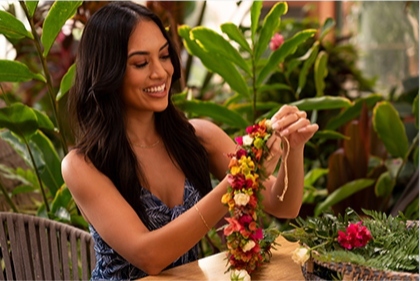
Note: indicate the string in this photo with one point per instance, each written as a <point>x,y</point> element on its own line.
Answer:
<point>286,176</point>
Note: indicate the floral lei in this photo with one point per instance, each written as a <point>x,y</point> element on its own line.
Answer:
<point>247,249</point>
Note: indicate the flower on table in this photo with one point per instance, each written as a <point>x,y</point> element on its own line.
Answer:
<point>300,255</point>
<point>240,275</point>
<point>355,236</point>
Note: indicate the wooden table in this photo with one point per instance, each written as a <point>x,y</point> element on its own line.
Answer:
<point>281,267</point>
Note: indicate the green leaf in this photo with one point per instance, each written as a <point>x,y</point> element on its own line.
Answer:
<point>17,144</point>
<point>20,119</point>
<point>416,110</point>
<point>215,63</point>
<point>341,193</point>
<point>327,27</point>
<point>31,6</point>
<point>67,81</point>
<point>313,175</point>
<point>274,86</point>
<point>51,168</point>
<point>390,129</point>
<point>289,47</point>
<point>353,111</point>
<point>270,24</point>
<point>312,55</point>
<point>321,103</point>
<point>384,185</point>
<point>215,111</point>
<point>12,27</point>
<point>14,71</point>
<point>233,32</point>
<point>212,42</point>
<point>59,13</point>
<point>255,18</point>
<point>44,122</point>
<point>330,135</point>
<point>62,200</point>
<point>321,71</point>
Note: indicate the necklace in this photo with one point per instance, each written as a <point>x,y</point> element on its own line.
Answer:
<point>147,146</point>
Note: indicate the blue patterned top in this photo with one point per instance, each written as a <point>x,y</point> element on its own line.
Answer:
<point>111,266</point>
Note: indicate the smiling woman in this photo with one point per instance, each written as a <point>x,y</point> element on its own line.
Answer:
<point>140,170</point>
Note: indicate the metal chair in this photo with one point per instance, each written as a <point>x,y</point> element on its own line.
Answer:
<point>35,248</point>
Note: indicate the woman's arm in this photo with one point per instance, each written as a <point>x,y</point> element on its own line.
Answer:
<point>121,228</point>
<point>288,123</point>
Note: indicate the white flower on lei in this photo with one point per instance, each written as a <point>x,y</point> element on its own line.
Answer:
<point>240,275</point>
<point>241,199</point>
<point>300,255</point>
<point>248,246</point>
<point>247,140</point>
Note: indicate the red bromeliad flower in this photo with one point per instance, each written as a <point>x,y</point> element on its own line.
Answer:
<point>243,232</point>
<point>356,236</point>
<point>276,41</point>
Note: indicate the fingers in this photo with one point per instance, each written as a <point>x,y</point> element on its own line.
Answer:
<point>289,119</point>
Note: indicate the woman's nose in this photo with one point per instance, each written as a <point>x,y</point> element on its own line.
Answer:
<point>158,70</point>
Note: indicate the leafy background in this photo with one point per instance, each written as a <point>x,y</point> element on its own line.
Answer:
<point>365,154</point>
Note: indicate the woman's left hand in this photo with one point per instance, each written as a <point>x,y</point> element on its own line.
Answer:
<point>292,123</point>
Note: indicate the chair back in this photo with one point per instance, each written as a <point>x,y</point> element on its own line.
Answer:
<point>35,248</point>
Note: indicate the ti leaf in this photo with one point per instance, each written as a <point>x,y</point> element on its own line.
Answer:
<point>233,32</point>
<point>270,25</point>
<point>14,71</point>
<point>289,47</point>
<point>66,82</point>
<point>213,42</point>
<point>390,129</point>
<point>341,193</point>
<point>321,71</point>
<point>59,13</point>
<point>11,27</point>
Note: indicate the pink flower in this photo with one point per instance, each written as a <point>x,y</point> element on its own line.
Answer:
<point>241,152</point>
<point>245,219</point>
<point>239,140</point>
<point>234,226</point>
<point>356,236</point>
<point>276,41</point>
<point>258,234</point>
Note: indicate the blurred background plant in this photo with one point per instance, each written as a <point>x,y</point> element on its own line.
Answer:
<point>365,154</point>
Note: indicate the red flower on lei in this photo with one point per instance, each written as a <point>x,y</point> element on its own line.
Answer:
<point>243,232</point>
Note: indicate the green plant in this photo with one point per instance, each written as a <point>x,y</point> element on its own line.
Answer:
<point>375,240</point>
<point>30,131</point>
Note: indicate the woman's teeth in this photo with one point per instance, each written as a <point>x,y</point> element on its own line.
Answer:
<point>155,89</point>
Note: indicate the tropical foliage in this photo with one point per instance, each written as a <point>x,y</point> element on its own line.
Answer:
<point>373,240</point>
<point>304,71</point>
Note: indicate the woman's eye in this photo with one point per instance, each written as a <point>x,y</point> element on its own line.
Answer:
<point>165,57</point>
<point>140,65</point>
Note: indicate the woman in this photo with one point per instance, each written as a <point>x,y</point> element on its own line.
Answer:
<point>139,172</point>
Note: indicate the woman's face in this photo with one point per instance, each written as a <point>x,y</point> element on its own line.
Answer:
<point>149,70</point>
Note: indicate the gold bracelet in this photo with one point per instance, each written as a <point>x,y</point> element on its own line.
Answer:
<point>201,216</point>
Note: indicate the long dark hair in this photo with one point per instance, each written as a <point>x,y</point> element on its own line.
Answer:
<point>96,106</point>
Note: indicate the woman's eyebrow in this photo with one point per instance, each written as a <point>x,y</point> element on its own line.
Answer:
<point>145,52</point>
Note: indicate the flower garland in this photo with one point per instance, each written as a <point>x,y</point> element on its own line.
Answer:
<point>244,235</point>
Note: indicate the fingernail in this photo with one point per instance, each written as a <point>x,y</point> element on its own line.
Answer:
<point>284,132</point>
<point>275,126</point>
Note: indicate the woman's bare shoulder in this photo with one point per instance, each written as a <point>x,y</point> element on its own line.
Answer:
<point>205,129</point>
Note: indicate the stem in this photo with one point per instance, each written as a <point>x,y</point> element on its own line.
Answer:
<point>51,94</point>
<point>41,186</point>
<point>8,199</point>
<point>410,149</point>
